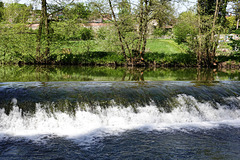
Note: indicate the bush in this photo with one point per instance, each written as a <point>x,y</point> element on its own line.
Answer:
<point>102,33</point>
<point>17,44</point>
<point>185,29</point>
<point>237,31</point>
<point>180,59</point>
<point>86,34</point>
<point>70,31</point>
<point>159,32</point>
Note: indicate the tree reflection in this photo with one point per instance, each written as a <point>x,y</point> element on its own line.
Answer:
<point>77,73</point>
<point>133,74</point>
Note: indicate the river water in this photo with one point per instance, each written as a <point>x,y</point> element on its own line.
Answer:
<point>116,113</point>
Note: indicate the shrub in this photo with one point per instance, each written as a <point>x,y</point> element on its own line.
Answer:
<point>86,34</point>
<point>102,33</point>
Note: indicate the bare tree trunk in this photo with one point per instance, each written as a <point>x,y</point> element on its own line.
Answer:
<point>145,24</point>
<point>43,22</point>
<point>118,30</point>
<point>237,23</point>
<point>45,17</point>
<point>212,51</point>
<point>199,50</point>
<point>140,26</point>
<point>39,35</point>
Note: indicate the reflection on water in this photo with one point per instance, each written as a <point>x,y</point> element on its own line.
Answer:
<point>77,73</point>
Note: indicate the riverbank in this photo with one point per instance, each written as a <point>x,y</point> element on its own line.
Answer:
<point>159,53</point>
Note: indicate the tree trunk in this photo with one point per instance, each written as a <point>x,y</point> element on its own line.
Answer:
<point>145,25</point>
<point>39,35</point>
<point>237,23</point>
<point>45,17</point>
<point>118,30</point>
<point>43,25</point>
<point>199,50</point>
<point>212,51</point>
<point>207,40</point>
<point>140,26</point>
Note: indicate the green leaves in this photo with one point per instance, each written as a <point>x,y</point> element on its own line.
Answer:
<point>17,43</point>
<point>186,27</point>
<point>16,13</point>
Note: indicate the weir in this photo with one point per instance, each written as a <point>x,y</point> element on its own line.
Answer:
<point>78,108</point>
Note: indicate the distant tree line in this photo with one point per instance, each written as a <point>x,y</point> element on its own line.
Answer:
<point>61,22</point>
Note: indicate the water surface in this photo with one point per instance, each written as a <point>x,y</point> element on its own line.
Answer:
<point>49,112</point>
<point>77,73</point>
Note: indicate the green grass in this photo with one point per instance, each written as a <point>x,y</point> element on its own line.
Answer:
<point>153,45</point>
<point>163,46</point>
<point>159,50</point>
<point>169,53</point>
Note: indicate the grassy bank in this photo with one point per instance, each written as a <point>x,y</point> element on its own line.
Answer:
<point>158,52</point>
<point>21,48</point>
<point>166,46</point>
<point>168,53</point>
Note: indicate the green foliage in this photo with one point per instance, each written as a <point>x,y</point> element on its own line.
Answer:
<point>69,30</point>
<point>90,58</point>
<point>76,11</point>
<point>16,13</point>
<point>207,8</point>
<point>111,41</point>
<point>235,44</point>
<point>125,16</point>
<point>177,59</point>
<point>235,57</point>
<point>1,11</point>
<point>17,44</point>
<point>167,52</point>
<point>159,32</point>
<point>237,31</point>
<point>85,34</point>
<point>163,13</point>
<point>71,43</point>
<point>185,29</point>
<point>181,32</point>
<point>87,45</point>
<point>102,33</point>
<point>231,23</point>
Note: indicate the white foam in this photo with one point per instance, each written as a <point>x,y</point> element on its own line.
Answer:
<point>113,120</point>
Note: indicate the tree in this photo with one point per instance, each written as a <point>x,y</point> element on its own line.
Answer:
<point>76,11</point>
<point>16,13</point>
<point>231,23</point>
<point>211,20</point>
<point>133,25</point>
<point>185,29</point>
<point>163,13</point>
<point>236,11</point>
<point>43,35</point>
<point>1,10</point>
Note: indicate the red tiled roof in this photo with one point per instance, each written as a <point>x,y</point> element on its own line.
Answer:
<point>98,24</point>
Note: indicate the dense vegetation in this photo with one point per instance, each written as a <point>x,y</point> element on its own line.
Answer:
<point>131,34</point>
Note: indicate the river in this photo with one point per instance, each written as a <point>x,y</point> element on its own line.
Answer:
<point>72,112</point>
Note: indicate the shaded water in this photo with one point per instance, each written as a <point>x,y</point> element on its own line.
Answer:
<point>107,113</point>
<point>76,73</point>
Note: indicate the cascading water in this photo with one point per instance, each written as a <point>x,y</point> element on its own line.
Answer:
<point>187,112</point>
<point>120,120</point>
